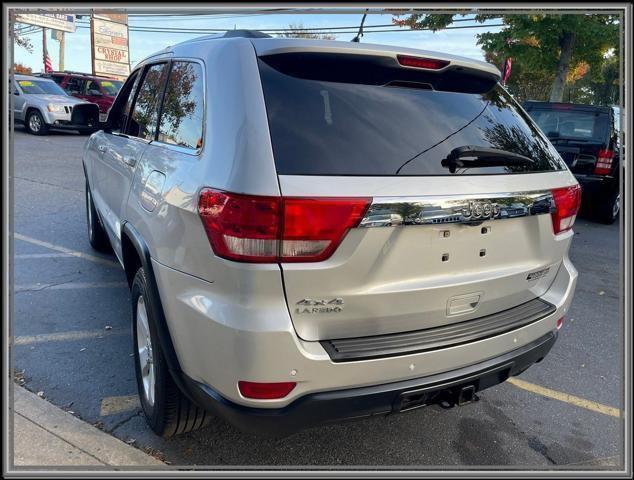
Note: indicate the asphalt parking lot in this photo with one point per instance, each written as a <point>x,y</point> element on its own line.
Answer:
<point>71,327</point>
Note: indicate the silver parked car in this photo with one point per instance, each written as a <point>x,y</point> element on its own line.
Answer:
<point>238,180</point>
<point>41,104</point>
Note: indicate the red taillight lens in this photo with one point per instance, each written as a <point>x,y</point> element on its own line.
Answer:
<point>276,229</point>
<point>604,162</point>
<point>265,391</point>
<point>241,227</point>
<point>567,203</point>
<point>314,227</point>
<point>419,62</point>
<point>560,323</point>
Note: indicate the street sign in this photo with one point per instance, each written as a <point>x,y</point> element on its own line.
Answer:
<point>110,47</point>
<point>58,21</point>
<point>57,35</point>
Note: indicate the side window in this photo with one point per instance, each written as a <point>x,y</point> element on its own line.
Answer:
<point>183,106</point>
<point>144,117</point>
<point>74,86</point>
<point>120,111</point>
<point>92,88</point>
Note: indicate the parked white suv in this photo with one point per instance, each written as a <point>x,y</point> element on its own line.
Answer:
<point>244,184</point>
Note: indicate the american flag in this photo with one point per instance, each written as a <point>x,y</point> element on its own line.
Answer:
<point>48,65</point>
<point>507,69</point>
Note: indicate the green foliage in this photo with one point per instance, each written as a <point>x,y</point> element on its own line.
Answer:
<point>534,42</point>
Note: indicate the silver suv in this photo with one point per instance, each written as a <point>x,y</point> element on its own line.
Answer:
<point>244,184</point>
<point>40,104</point>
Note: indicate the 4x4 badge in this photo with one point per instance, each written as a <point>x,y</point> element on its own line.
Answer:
<point>308,305</point>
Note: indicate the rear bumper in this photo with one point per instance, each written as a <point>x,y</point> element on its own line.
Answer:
<point>355,403</point>
<point>597,186</point>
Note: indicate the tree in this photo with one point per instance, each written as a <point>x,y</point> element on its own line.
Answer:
<point>21,40</point>
<point>543,45</point>
<point>297,31</point>
<point>24,70</point>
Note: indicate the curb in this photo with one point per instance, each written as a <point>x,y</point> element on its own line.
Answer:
<point>46,436</point>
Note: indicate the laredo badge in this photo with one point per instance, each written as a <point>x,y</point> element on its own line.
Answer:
<point>308,305</point>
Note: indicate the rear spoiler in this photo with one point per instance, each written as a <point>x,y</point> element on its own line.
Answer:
<point>272,46</point>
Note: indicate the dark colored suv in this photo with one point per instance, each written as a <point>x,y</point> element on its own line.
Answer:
<point>94,89</point>
<point>587,138</point>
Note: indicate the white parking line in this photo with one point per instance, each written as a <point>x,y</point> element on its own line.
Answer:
<point>42,255</point>
<point>67,336</point>
<point>36,287</point>
<point>113,405</point>
<point>68,251</point>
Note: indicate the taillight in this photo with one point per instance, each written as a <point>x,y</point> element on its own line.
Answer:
<point>249,228</point>
<point>567,203</point>
<point>604,162</point>
<point>265,391</point>
<point>420,62</point>
<point>560,323</point>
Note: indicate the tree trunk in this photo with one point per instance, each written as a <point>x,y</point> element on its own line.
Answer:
<point>563,66</point>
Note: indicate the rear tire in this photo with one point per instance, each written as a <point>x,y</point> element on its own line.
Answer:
<point>608,210</point>
<point>97,236</point>
<point>35,124</point>
<point>167,410</point>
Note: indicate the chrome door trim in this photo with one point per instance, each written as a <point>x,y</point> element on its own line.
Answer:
<point>466,209</point>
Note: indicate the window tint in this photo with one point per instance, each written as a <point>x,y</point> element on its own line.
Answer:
<point>74,85</point>
<point>91,87</point>
<point>182,112</point>
<point>330,127</point>
<point>144,116</point>
<point>57,78</point>
<point>120,110</point>
<point>572,123</point>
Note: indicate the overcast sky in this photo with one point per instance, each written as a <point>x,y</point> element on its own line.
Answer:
<point>77,54</point>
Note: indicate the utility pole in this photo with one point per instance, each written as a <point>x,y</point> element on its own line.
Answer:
<point>44,48</point>
<point>61,37</point>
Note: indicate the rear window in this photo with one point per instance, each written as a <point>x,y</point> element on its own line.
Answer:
<point>386,120</point>
<point>572,124</point>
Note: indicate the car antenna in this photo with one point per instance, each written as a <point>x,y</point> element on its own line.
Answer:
<point>360,32</point>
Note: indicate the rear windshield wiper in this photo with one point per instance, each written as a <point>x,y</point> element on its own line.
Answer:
<point>483,157</point>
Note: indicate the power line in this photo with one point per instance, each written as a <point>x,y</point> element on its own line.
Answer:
<point>281,29</point>
<point>321,30</point>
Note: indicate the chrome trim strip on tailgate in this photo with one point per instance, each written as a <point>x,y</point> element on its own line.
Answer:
<point>469,209</point>
<point>406,343</point>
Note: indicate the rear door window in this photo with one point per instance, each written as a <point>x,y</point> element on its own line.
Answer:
<point>391,122</point>
<point>144,118</point>
<point>572,124</point>
<point>183,107</point>
<point>75,86</point>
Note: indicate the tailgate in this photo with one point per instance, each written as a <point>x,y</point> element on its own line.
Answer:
<point>441,260</point>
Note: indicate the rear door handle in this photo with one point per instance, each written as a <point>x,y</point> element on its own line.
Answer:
<point>129,160</point>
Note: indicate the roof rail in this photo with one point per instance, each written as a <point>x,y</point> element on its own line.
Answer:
<point>228,34</point>
<point>245,34</point>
